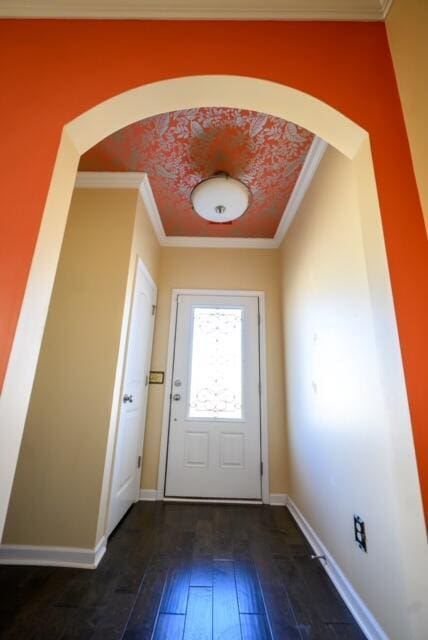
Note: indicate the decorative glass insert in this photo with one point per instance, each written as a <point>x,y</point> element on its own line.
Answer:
<point>216,365</point>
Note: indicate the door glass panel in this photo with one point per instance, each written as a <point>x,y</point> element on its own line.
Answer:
<point>216,364</point>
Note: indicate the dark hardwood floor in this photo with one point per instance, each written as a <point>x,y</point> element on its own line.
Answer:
<point>183,572</point>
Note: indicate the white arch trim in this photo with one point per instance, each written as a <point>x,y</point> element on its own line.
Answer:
<point>81,134</point>
<point>201,91</point>
<point>216,91</point>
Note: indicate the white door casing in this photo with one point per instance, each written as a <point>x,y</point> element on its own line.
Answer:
<point>125,482</point>
<point>214,443</point>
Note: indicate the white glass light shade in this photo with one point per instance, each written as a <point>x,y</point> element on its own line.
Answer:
<point>220,198</point>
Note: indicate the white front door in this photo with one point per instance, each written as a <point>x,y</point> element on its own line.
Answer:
<point>214,429</point>
<point>129,440</point>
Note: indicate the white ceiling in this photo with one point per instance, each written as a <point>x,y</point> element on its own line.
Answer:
<point>199,9</point>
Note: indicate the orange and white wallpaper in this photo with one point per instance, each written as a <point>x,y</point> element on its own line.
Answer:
<point>177,150</point>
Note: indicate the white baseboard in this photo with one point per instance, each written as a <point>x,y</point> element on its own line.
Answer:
<point>367,622</point>
<point>148,495</point>
<point>17,554</point>
<point>211,501</point>
<point>278,499</point>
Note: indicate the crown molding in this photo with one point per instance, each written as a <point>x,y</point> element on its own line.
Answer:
<point>109,179</point>
<point>219,243</point>
<point>385,6</point>
<point>139,180</point>
<point>370,10</point>
<point>201,242</point>
<point>149,201</point>
<point>312,160</point>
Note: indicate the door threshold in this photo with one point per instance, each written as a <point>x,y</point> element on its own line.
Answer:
<point>213,500</point>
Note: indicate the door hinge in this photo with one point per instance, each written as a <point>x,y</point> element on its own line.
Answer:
<point>261,468</point>
<point>139,462</point>
<point>154,307</point>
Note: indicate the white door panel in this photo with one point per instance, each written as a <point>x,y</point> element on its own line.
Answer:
<point>196,452</point>
<point>129,439</point>
<point>214,430</point>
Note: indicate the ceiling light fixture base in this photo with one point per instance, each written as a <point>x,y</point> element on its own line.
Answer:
<point>220,198</point>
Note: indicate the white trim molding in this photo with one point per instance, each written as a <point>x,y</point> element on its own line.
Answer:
<point>385,6</point>
<point>81,558</point>
<point>109,179</point>
<point>219,243</point>
<point>364,617</point>
<point>278,499</point>
<point>148,495</point>
<point>148,198</point>
<point>140,180</point>
<point>371,10</point>
<point>213,501</point>
<point>310,166</point>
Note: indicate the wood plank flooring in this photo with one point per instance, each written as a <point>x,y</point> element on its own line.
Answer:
<point>183,572</point>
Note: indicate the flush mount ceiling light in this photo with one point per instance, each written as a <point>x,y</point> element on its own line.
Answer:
<point>220,198</point>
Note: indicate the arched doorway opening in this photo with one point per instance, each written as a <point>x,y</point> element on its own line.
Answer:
<point>205,91</point>
<point>93,126</point>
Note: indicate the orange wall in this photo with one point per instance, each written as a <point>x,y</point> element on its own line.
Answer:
<point>51,71</point>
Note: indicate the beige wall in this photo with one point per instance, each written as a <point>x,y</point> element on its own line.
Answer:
<point>407,28</point>
<point>339,430</point>
<point>145,243</point>
<point>248,269</point>
<point>62,468</point>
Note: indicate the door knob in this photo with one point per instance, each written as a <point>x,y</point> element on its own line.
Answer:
<point>176,396</point>
<point>128,398</point>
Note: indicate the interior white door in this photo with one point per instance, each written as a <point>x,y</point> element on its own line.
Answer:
<point>214,429</point>
<point>130,436</point>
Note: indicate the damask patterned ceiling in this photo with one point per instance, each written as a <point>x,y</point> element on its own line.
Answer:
<point>177,150</point>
